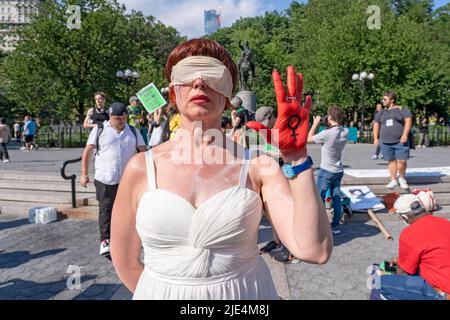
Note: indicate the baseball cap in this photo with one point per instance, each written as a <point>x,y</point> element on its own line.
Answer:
<point>403,203</point>
<point>117,109</point>
<point>133,98</point>
<point>425,199</point>
<point>263,115</point>
<point>236,101</point>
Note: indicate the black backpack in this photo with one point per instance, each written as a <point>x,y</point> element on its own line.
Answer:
<point>100,130</point>
<point>245,115</point>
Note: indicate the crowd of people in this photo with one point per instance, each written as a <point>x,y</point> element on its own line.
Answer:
<point>22,132</point>
<point>198,222</point>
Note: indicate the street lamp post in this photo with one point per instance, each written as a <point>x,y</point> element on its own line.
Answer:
<point>129,77</point>
<point>362,78</point>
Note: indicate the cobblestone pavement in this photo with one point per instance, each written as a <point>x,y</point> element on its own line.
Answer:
<point>35,260</point>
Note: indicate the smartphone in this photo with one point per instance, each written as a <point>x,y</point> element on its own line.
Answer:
<point>388,267</point>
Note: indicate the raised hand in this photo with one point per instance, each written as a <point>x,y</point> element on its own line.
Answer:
<point>290,132</point>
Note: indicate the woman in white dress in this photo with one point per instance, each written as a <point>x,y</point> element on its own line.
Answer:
<point>194,203</point>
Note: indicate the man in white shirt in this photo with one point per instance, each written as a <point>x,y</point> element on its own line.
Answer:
<point>115,143</point>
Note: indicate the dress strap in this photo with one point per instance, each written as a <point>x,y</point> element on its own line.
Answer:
<point>150,170</point>
<point>244,168</point>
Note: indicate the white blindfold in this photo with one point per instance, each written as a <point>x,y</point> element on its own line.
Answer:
<point>212,71</point>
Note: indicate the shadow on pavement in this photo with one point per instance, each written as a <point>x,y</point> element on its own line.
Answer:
<point>103,291</point>
<point>353,230</point>
<point>265,234</point>
<point>13,259</point>
<point>349,231</point>
<point>19,289</point>
<point>34,161</point>
<point>13,224</point>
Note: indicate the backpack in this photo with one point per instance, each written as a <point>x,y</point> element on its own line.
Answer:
<point>100,130</point>
<point>166,129</point>
<point>245,115</point>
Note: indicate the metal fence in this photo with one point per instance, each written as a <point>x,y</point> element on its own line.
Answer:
<point>75,136</point>
<point>437,135</point>
<point>62,136</point>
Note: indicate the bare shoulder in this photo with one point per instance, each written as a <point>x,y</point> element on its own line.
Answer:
<point>137,164</point>
<point>134,179</point>
<point>164,150</point>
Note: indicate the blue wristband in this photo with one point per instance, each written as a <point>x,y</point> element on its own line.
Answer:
<point>292,171</point>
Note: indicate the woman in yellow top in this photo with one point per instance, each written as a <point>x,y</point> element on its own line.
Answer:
<point>174,124</point>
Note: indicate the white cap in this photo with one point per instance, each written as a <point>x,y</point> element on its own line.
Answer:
<point>403,203</point>
<point>425,198</point>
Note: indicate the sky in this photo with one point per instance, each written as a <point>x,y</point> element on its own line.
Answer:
<point>188,18</point>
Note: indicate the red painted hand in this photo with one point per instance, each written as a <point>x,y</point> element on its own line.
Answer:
<point>290,132</point>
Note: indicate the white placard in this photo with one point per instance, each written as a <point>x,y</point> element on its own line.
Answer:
<point>361,198</point>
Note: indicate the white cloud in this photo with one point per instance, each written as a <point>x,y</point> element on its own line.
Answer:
<point>187,15</point>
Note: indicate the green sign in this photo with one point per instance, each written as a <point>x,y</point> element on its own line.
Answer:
<point>151,98</point>
<point>270,148</point>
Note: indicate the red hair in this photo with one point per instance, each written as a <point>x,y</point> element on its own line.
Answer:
<point>201,47</point>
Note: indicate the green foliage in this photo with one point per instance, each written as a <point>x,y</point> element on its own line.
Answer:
<point>419,10</point>
<point>269,41</point>
<point>329,41</point>
<point>55,70</point>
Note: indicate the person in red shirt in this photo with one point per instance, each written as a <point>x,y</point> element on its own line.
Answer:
<point>423,264</point>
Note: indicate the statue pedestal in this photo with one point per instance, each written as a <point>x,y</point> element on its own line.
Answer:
<point>248,100</point>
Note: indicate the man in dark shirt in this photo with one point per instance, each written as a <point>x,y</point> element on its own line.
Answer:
<point>96,114</point>
<point>391,132</point>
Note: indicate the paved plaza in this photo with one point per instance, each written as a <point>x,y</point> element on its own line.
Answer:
<point>355,156</point>
<point>37,261</point>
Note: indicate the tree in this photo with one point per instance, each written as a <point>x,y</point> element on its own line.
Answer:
<point>59,69</point>
<point>339,43</point>
<point>419,10</point>
<point>269,41</point>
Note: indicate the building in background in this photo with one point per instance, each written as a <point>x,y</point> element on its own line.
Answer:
<point>13,14</point>
<point>212,21</point>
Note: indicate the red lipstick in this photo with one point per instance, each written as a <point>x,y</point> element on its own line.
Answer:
<point>201,98</point>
